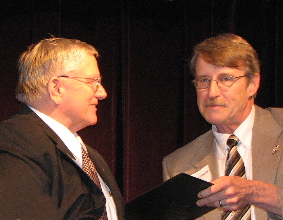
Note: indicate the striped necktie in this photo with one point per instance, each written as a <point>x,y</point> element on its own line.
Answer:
<point>235,167</point>
<point>89,168</point>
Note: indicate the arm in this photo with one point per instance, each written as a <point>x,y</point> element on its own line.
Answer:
<point>236,192</point>
<point>24,189</point>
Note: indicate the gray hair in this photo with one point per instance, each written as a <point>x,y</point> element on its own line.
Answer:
<point>48,58</point>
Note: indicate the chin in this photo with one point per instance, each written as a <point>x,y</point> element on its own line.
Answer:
<point>92,119</point>
<point>90,122</point>
<point>214,121</point>
<point>93,122</point>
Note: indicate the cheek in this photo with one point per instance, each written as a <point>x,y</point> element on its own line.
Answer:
<point>241,97</point>
<point>237,104</point>
<point>200,98</point>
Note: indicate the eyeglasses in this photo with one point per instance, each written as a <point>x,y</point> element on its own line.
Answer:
<point>222,81</point>
<point>92,82</point>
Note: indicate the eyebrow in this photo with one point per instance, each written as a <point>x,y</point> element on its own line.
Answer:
<point>221,74</point>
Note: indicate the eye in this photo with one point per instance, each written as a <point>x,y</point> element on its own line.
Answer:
<point>95,81</point>
<point>225,78</point>
<point>89,81</point>
<point>203,79</point>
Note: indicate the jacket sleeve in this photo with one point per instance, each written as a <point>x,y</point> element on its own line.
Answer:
<point>272,215</point>
<point>24,190</point>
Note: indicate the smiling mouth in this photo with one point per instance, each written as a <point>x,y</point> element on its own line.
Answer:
<point>93,106</point>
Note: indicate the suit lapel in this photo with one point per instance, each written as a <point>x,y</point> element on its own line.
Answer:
<point>32,116</point>
<point>264,161</point>
<point>267,131</point>
<point>206,155</point>
<point>108,178</point>
<point>101,168</point>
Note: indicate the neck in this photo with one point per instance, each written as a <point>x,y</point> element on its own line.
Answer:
<point>230,126</point>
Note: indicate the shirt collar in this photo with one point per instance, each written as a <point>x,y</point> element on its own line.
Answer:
<point>71,140</point>
<point>243,132</point>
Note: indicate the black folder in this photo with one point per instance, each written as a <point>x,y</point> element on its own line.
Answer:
<point>175,199</point>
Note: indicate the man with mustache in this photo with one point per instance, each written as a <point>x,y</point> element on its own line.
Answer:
<point>247,179</point>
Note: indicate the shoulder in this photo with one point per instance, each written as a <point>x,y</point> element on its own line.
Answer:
<point>26,133</point>
<point>203,141</point>
<point>21,126</point>
<point>277,114</point>
<point>267,123</point>
<point>191,157</point>
<point>269,116</point>
<point>24,120</point>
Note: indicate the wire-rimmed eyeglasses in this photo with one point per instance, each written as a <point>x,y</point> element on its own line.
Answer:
<point>92,82</point>
<point>223,81</point>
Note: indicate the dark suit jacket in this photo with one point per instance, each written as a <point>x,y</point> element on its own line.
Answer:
<point>267,166</point>
<point>39,180</point>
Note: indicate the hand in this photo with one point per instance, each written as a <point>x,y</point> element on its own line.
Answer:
<point>234,193</point>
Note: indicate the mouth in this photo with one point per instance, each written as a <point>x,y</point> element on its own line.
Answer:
<point>94,105</point>
<point>213,103</point>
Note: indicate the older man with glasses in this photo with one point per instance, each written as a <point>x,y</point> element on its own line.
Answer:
<point>46,171</point>
<point>242,154</point>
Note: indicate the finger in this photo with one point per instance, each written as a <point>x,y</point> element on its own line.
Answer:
<point>212,200</point>
<point>215,204</point>
<point>214,189</point>
<point>205,193</point>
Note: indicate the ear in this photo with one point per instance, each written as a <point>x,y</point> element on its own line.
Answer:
<point>55,90</point>
<point>254,84</point>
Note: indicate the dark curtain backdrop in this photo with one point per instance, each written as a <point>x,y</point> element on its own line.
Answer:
<point>144,46</point>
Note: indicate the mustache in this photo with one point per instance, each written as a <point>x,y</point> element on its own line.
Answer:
<point>213,102</point>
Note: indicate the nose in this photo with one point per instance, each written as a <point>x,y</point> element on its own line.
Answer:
<point>213,89</point>
<point>100,93</point>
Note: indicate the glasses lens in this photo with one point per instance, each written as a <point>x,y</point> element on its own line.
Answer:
<point>98,82</point>
<point>202,82</point>
<point>225,81</point>
<point>222,81</point>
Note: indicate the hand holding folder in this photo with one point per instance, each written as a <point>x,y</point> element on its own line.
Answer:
<point>175,199</point>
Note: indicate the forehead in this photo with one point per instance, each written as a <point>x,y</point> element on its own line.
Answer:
<point>87,68</point>
<point>206,69</point>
